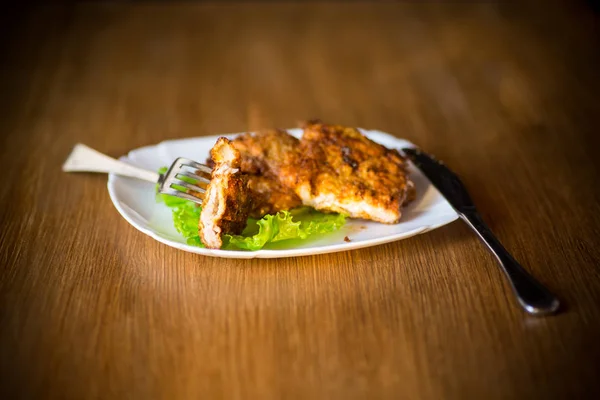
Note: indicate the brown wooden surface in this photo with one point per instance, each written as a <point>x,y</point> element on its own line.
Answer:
<point>91,308</point>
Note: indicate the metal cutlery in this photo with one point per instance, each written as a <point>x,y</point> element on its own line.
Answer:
<point>185,178</point>
<point>532,296</point>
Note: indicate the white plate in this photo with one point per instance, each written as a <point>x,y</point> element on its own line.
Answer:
<point>135,200</point>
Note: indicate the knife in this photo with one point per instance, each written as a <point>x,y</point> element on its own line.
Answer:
<point>532,296</point>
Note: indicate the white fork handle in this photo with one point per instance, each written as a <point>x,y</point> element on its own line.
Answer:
<point>85,159</point>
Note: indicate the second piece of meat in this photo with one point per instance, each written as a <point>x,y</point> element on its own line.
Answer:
<point>339,169</point>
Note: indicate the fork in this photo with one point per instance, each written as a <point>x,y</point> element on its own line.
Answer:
<point>172,183</point>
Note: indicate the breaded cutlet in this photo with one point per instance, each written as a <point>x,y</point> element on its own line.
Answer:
<point>263,155</point>
<point>227,201</point>
<point>338,169</point>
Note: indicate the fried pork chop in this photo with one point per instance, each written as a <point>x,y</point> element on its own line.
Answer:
<point>263,155</point>
<point>270,196</point>
<point>332,168</point>
<point>336,168</point>
<point>227,201</point>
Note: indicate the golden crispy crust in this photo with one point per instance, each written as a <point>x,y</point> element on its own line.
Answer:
<point>270,196</point>
<point>332,168</point>
<point>227,201</point>
<point>263,154</point>
<point>237,204</point>
<point>336,168</point>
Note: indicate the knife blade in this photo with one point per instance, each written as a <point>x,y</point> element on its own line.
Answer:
<point>445,181</point>
<point>532,296</point>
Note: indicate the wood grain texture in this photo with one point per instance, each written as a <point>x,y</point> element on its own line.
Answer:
<point>90,308</point>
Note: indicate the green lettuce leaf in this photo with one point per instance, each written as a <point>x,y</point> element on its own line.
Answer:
<point>297,224</point>
<point>185,220</point>
<point>186,214</point>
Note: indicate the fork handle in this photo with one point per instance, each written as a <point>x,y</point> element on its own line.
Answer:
<point>86,159</point>
<point>532,296</point>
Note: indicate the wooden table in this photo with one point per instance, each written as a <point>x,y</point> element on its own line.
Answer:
<point>91,308</point>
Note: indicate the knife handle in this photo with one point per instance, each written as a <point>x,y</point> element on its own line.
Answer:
<point>532,296</point>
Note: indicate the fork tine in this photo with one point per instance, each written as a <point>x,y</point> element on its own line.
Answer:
<point>186,185</point>
<point>193,176</point>
<point>180,194</point>
<point>193,164</point>
<point>176,171</point>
